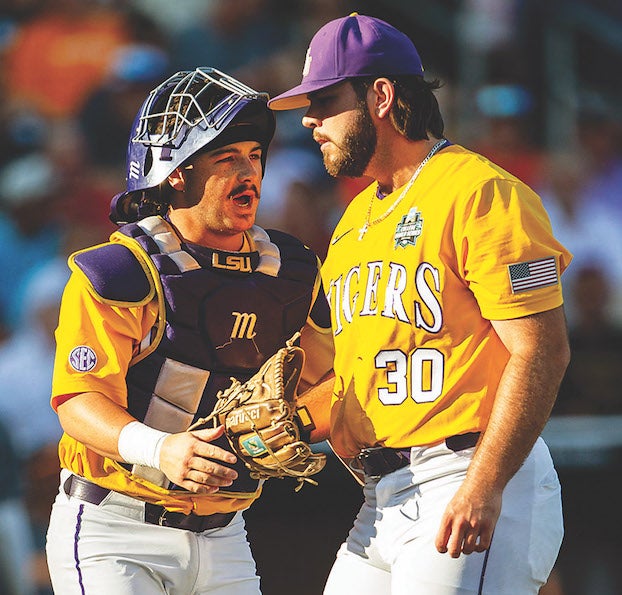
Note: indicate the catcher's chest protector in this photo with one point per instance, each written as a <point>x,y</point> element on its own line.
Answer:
<point>226,313</point>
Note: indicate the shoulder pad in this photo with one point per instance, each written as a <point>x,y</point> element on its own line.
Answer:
<point>285,239</point>
<point>298,260</point>
<point>320,311</point>
<point>114,274</point>
<point>292,248</point>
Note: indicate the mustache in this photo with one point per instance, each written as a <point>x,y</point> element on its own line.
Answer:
<point>242,188</point>
<point>320,137</point>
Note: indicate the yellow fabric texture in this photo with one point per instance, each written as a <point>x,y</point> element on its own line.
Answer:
<point>417,359</point>
<point>113,333</point>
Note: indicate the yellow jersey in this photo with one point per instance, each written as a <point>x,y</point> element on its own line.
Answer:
<point>412,297</point>
<point>99,339</point>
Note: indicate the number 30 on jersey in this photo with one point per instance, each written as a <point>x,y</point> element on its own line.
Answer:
<point>426,375</point>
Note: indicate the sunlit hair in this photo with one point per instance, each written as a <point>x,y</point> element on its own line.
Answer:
<point>415,112</point>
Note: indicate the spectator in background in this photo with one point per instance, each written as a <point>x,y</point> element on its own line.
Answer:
<point>26,363</point>
<point>30,230</point>
<point>594,377</point>
<point>166,14</point>
<point>22,133</point>
<point>231,34</point>
<point>61,54</point>
<point>505,140</point>
<point>86,186</point>
<point>587,226</point>
<point>586,442</point>
<point>107,116</point>
<point>600,141</point>
<point>15,542</point>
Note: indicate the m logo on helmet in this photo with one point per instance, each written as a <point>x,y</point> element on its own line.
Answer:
<point>134,170</point>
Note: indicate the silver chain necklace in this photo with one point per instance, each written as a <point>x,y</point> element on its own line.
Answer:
<point>368,223</point>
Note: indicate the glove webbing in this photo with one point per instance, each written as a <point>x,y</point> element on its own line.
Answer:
<point>261,473</point>
<point>224,403</point>
<point>221,404</point>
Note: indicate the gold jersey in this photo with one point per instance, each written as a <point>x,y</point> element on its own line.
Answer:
<point>113,333</point>
<point>97,341</point>
<point>411,298</point>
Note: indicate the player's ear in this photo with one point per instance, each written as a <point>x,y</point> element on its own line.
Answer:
<point>381,95</point>
<point>177,179</point>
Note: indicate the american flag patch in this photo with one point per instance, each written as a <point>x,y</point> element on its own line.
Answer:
<point>533,274</point>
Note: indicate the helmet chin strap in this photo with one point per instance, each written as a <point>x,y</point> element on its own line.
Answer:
<point>132,207</point>
<point>147,207</point>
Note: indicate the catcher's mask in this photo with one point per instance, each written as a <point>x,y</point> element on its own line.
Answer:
<point>193,110</point>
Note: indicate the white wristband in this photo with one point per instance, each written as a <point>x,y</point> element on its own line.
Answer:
<point>140,445</point>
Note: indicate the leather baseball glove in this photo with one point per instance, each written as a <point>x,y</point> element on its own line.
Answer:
<point>262,421</point>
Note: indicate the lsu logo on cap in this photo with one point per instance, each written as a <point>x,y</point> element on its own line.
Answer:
<point>82,359</point>
<point>307,66</point>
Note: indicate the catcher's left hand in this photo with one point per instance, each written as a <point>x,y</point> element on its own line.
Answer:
<point>262,422</point>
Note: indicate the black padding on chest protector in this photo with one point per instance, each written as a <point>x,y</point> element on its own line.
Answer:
<point>320,313</point>
<point>114,273</point>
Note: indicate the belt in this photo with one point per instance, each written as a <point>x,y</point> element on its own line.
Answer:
<point>84,490</point>
<point>379,461</point>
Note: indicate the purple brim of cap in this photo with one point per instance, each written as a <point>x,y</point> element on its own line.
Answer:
<point>351,47</point>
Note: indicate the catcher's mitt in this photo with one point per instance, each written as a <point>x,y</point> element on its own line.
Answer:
<point>262,422</point>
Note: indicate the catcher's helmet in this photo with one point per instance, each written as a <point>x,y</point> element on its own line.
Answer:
<point>190,111</point>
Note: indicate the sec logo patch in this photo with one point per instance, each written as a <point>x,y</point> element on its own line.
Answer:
<point>82,359</point>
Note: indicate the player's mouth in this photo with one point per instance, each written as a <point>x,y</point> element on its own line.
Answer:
<point>320,140</point>
<point>326,145</point>
<point>245,198</point>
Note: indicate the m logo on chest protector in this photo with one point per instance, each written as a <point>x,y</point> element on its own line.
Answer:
<point>244,325</point>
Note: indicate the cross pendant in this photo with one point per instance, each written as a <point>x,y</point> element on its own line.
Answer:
<point>363,231</point>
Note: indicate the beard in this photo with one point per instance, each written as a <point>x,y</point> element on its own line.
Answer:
<point>357,147</point>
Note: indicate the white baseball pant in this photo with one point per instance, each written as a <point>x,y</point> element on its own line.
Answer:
<point>108,549</point>
<point>390,549</point>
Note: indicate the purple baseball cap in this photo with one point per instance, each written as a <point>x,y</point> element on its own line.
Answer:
<point>352,46</point>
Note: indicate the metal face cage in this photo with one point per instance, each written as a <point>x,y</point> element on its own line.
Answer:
<point>168,116</point>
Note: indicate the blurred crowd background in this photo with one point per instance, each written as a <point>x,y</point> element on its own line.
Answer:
<point>533,85</point>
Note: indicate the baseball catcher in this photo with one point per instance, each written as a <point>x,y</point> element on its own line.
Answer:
<point>187,293</point>
<point>262,422</point>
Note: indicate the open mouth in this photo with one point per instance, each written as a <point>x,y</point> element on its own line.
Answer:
<point>243,200</point>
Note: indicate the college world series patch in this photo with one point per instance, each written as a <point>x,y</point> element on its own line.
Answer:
<point>408,229</point>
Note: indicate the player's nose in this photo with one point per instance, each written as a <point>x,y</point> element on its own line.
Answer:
<point>310,121</point>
